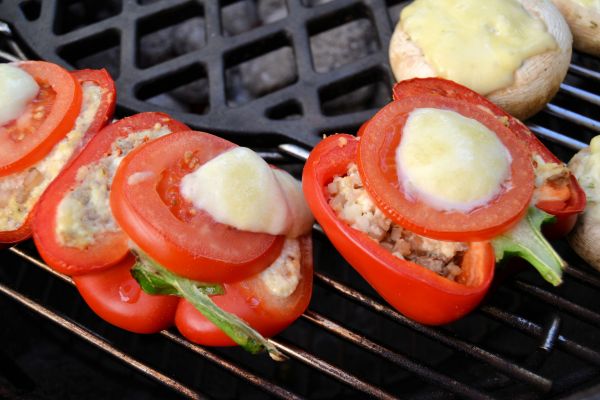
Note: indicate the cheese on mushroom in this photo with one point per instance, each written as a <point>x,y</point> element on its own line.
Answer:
<point>589,3</point>
<point>17,88</point>
<point>240,189</point>
<point>441,149</point>
<point>479,44</point>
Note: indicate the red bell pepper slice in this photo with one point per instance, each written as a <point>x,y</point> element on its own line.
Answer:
<point>415,291</point>
<point>117,298</point>
<point>250,300</point>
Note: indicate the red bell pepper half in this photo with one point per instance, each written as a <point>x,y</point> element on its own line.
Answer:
<point>415,291</point>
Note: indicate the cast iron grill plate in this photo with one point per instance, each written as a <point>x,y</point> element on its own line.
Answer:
<point>300,111</point>
<point>528,340</point>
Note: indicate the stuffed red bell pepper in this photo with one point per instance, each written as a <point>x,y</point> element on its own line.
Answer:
<point>76,234</point>
<point>263,278</point>
<point>433,192</point>
<point>47,116</point>
<point>208,217</point>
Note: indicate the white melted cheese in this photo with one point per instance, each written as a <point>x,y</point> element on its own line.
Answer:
<point>451,162</point>
<point>19,192</point>
<point>238,188</point>
<point>17,88</point>
<point>302,218</point>
<point>85,211</point>
<point>283,276</point>
<point>477,43</point>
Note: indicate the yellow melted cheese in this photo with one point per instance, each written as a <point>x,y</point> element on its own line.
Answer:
<point>238,188</point>
<point>478,43</point>
<point>589,3</point>
<point>449,161</point>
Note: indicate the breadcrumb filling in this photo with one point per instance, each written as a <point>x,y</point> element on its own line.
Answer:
<point>351,202</point>
<point>85,211</point>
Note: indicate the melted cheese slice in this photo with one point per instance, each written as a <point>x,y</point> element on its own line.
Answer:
<point>450,161</point>
<point>238,188</point>
<point>302,218</point>
<point>477,43</point>
<point>17,88</point>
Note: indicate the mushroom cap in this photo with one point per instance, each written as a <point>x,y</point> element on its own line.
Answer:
<point>536,81</point>
<point>584,238</point>
<point>584,23</point>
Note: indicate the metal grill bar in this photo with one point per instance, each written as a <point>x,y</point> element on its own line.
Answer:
<point>536,330</point>
<point>294,352</point>
<point>100,343</point>
<point>398,359</point>
<point>571,116</point>
<point>584,72</point>
<point>575,309</point>
<point>330,370</point>
<point>506,366</point>
<point>580,94</point>
<point>258,381</point>
<point>556,137</point>
<point>240,372</point>
<point>583,276</point>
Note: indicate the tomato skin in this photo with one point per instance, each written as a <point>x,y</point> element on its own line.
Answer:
<point>103,114</point>
<point>565,212</point>
<point>15,157</point>
<point>415,291</point>
<point>377,166</point>
<point>110,247</point>
<point>178,244</point>
<point>117,298</point>
<point>253,303</point>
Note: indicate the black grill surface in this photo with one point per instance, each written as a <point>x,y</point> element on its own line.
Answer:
<point>315,92</point>
<point>527,341</point>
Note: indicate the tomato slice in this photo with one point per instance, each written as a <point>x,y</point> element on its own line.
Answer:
<point>46,119</point>
<point>117,298</point>
<point>108,247</point>
<point>251,301</point>
<point>376,162</point>
<point>103,113</point>
<point>565,211</point>
<point>168,228</point>
<point>414,290</point>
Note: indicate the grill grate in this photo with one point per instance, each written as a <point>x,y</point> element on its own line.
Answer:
<point>526,341</point>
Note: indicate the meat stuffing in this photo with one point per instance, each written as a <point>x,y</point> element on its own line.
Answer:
<point>351,202</point>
